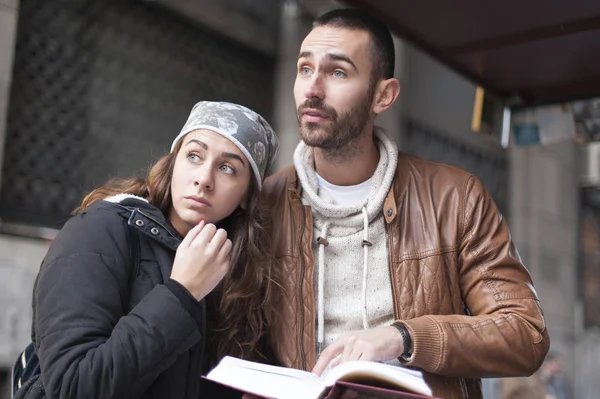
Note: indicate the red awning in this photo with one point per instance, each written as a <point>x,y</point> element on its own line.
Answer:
<point>526,51</point>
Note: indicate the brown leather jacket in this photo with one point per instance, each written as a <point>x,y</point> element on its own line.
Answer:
<point>450,253</point>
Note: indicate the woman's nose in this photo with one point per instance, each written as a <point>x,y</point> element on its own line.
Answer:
<point>204,178</point>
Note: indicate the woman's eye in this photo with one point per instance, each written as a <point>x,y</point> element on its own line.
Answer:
<point>193,157</point>
<point>227,169</point>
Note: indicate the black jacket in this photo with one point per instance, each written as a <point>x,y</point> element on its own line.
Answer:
<point>106,325</point>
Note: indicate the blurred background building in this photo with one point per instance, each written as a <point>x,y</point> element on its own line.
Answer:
<point>91,89</point>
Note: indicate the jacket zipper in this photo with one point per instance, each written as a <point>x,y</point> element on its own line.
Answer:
<point>390,265</point>
<point>300,293</point>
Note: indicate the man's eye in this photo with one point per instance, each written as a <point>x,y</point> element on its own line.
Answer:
<point>305,71</point>
<point>338,74</point>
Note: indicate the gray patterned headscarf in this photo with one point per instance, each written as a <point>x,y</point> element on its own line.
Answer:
<point>249,131</point>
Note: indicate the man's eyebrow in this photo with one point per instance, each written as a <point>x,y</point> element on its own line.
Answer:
<point>340,57</point>
<point>329,57</point>
<point>200,143</point>
<point>305,54</point>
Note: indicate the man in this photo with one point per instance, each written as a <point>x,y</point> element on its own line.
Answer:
<point>385,256</point>
<point>554,377</point>
<point>523,388</point>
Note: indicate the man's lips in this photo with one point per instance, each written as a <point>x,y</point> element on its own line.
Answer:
<point>313,115</point>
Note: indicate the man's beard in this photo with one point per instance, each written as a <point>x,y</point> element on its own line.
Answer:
<point>339,135</point>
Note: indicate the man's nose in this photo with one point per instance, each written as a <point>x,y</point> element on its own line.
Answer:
<point>314,88</point>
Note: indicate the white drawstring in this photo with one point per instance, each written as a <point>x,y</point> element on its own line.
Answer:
<point>322,241</point>
<point>365,244</point>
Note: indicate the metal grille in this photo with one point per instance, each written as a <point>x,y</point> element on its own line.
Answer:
<point>100,88</point>
<point>589,257</point>
<point>490,168</point>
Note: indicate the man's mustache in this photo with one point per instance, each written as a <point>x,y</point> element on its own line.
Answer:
<point>319,106</point>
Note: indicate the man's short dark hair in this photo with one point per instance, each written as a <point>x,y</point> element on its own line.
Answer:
<point>382,44</point>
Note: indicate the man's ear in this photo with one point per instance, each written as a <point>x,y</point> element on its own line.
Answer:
<point>386,93</point>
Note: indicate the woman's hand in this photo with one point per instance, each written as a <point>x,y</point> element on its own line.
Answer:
<point>202,259</point>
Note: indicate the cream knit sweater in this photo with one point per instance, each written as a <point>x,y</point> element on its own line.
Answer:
<point>353,283</point>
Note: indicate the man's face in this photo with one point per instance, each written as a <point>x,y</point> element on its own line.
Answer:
<point>333,89</point>
<point>555,367</point>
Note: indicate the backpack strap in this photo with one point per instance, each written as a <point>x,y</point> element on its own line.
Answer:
<point>25,368</point>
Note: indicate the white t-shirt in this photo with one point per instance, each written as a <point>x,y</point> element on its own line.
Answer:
<point>345,195</point>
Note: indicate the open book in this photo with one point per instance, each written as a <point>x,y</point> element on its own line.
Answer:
<point>285,383</point>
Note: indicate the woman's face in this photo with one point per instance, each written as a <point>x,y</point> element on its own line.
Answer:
<point>211,177</point>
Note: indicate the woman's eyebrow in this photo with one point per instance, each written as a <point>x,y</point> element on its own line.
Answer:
<point>200,143</point>
<point>231,155</point>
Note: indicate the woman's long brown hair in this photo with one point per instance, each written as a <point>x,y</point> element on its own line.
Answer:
<point>241,308</point>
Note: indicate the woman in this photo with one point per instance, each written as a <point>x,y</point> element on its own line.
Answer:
<point>120,302</point>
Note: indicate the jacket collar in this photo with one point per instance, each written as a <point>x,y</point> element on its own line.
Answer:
<point>294,186</point>
<point>395,195</point>
<point>149,221</point>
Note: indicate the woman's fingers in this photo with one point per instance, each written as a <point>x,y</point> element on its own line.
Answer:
<point>225,251</point>
<point>192,234</point>
<point>218,240</point>
<point>205,235</point>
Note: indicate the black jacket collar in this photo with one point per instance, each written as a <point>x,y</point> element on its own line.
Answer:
<point>149,220</point>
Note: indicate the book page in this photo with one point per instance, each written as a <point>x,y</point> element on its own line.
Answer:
<point>265,380</point>
<point>378,374</point>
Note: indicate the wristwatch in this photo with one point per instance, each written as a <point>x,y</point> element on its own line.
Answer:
<point>406,340</point>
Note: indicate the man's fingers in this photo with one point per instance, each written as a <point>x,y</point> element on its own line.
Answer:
<point>327,356</point>
<point>320,366</point>
<point>357,353</point>
<point>348,349</point>
<point>336,361</point>
<point>192,234</point>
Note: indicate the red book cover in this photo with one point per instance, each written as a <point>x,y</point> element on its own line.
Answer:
<point>350,390</point>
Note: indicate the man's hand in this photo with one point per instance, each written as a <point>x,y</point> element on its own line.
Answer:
<point>377,344</point>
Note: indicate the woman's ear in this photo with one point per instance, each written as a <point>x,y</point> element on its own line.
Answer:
<point>386,94</point>
<point>244,202</point>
